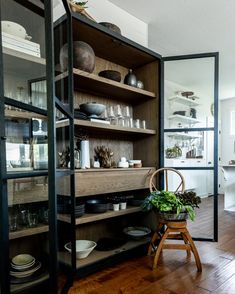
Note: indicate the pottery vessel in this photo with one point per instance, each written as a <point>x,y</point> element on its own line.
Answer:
<point>111,26</point>
<point>130,79</point>
<point>111,75</point>
<point>83,56</point>
<point>140,85</point>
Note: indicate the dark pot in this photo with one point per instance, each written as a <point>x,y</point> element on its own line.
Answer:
<point>111,26</point>
<point>111,75</point>
<point>130,79</point>
<point>83,56</point>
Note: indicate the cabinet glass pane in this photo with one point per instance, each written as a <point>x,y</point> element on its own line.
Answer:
<point>189,93</point>
<point>23,41</point>
<point>189,149</point>
<point>26,140</point>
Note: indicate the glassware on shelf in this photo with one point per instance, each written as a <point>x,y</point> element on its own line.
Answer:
<point>137,123</point>
<point>131,123</point>
<point>121,121</point>
<point>118,110</point>
<point>13,222</point>
<point>32,220</point>
<point>143,124</point>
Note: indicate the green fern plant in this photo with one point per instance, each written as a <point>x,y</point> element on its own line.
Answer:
<point>169,202</point>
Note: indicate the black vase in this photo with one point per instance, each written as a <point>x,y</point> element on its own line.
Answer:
<point>130,79</point>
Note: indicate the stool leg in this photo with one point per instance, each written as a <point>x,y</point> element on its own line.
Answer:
<point>194,250</point>
<point>155,237</point>
<point>159,248</point>
<point>186,242</point>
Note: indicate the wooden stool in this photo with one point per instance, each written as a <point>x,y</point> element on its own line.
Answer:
<point>174,230</point>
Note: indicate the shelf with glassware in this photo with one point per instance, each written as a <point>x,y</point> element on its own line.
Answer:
<point>106,128</point>
<point>24,157</point>
<point>116,126</point>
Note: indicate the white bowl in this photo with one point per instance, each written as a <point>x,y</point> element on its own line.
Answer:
<point>23,259</point>
<point>83,248</point>
<point>14,29</point>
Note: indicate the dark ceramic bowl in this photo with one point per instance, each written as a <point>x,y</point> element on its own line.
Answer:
<point>111,75</point>
<point>96,206</point>
<point>111,26</point>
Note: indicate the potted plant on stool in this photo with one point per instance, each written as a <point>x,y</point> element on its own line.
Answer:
<point>172,206</point>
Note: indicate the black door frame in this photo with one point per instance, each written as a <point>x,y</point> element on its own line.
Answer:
<point>215,55</point>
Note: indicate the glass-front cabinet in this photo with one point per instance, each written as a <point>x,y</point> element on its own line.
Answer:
<point>24,148</point>
<point>190,131</point>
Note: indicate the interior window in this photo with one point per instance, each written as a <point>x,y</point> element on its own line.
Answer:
<point>232,123</point>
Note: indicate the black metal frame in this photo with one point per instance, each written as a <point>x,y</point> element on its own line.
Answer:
<point>214,55</point>
<point>4,175</point>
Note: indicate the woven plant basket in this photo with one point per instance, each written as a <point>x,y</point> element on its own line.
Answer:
<point>172,216</point>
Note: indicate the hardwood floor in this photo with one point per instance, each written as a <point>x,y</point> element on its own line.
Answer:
<point>176,273</point>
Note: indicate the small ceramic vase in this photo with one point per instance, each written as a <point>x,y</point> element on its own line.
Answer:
<point>140,85</point>
<point>130,79</point>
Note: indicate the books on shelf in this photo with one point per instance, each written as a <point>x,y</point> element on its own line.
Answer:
<point>19,44</point>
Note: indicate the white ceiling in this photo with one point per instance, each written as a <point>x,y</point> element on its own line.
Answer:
<point>179,27</point>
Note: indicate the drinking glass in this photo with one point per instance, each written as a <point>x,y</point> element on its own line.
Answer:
<point>118,111</point>
<point>137,123</point>
<point>143,124</point>
<point>32,218</point>
<point>13,224</point>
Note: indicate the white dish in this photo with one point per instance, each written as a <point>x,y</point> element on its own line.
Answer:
<point>14,29</point>
<point>22,259</point>
<point>83,248</point>
<point>135,161</point>
<point>137,232</point>
<point>26,273</point>
<point>22,267</point>
<point>122,164</point>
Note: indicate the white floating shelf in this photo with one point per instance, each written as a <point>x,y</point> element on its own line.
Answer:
<point>184,101</point>
<point>183,136</point>
<point>184,119</point>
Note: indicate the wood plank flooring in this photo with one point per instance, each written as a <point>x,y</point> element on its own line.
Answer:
<point>176,273</point>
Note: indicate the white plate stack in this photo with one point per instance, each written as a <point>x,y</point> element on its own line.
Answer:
<point>24,265</point>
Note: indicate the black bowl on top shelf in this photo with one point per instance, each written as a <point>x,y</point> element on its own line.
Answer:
<point>135,202</point>
<point>96,206</point>
<point>111,75</point>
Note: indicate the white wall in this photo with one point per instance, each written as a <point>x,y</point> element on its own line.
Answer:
<point>105,11</point>
<point>227,141</point>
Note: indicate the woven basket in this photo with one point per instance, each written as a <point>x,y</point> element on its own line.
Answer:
<point>172,216</point>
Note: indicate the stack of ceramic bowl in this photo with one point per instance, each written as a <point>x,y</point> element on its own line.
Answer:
<point>79,210</point>
<point>24,265</point>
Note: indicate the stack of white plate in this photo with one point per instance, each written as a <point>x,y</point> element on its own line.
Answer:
<point>24,265</point>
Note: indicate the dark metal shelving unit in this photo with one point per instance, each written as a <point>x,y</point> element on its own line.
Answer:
<point>44,10</point>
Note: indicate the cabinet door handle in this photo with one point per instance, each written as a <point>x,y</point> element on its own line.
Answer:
<point>209,162</point>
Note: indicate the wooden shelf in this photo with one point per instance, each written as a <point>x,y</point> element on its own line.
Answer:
<point>95,256</point>
<point>92,217</point>
<point>28,232</point>
<point>18,288</point>
<point>22,114</point>
<point>91,83</point>
<point>105,128</point>
<point>110,170</point>
<point>184,119</point>
<point>22,64</point>
<point>184,101</point>
<point>183,136</point>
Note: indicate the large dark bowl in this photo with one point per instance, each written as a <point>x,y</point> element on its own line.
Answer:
<point>96,206</point>
<point>111,75</point>
<point>111,26</point>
